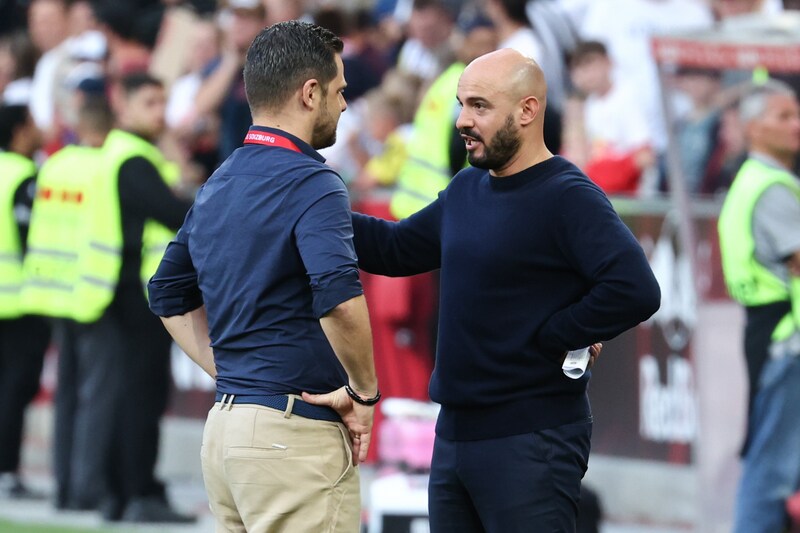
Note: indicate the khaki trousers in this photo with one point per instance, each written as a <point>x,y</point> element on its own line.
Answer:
<point>267,471</point>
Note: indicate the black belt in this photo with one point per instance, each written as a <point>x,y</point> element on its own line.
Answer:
<point>280,401</point>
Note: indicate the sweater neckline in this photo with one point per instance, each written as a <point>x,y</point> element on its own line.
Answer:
<point>523,177</point>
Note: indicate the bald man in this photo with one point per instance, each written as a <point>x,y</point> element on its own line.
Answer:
<point>534,262</point>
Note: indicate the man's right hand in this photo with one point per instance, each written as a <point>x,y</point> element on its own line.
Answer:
<point>356,417</point>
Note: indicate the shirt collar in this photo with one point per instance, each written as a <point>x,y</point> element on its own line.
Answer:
<point>767,160</point>
<point>302,145</point>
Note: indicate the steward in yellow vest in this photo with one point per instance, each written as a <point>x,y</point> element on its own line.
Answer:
<point>121,209</point>
<point>23,339</point>
<point>57,233</point>
<point>436,151</point>
<point>427,169</point>
<point>759,233</point>
<point>749,282</point>
<point>76,237</point>
<point>15,171</point>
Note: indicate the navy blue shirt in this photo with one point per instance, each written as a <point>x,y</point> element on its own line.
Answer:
<point>268,247</point>
<point>532,265</point>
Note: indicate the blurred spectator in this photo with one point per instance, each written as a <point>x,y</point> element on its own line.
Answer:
<point>436,151</point>
<point>197,134</point>
<point>625,28</point>
<point>730,8</point>
<point>48,25</point>
<point>514,31</point>
<point>55,233</point>
<point>87,50</point>
<point>363,64</point>
<point>126,53</point>
<point>426,52</point>
<point>696,130</point>
<point>388,117</point>
<point>222,90</point>
<point>12,16</point>
<point>607,135</point>
<point>729,152</point>
<point>23,339</point>
<point>18,58</point>
<point>362,48</point>
<point>282,10</point>
<point>171,56</point>
<point>558,36</point>
<point>759,235</point>
<point>356,127</point>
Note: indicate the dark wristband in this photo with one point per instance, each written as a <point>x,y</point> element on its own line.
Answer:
<point>358,399</point>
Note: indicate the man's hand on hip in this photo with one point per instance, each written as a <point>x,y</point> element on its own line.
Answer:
<point>356,417</point>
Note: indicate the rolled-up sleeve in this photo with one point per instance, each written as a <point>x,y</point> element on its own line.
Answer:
<point>173,289</point>
<point>324,236</point>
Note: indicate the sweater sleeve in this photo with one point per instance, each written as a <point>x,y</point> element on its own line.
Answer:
<point>404,248</point>
<point>622,290</point>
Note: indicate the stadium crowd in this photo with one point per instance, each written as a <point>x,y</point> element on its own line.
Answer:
<point>150,94</point>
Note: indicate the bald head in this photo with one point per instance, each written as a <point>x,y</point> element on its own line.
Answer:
<point>507,71</point>
<point>503,96</point>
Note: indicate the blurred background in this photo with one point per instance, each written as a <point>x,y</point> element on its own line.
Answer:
<point>642,95</point>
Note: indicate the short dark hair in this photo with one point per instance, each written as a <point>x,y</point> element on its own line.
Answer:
<point>131,83</point>
<point>585,50</point>
<point>11,118</point>
<point>516,11</point>
<point>283,57</point>
<point>24,52</point>
<point>95,114</point>
<point>118,15</point>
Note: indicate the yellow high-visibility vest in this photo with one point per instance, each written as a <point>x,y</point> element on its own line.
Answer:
<point>426,171</point>
<point>58,231</point>
<point>76,276</point>
<point>14,169</point>
<point>748,281</point>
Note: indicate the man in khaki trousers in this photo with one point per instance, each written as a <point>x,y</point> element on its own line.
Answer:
<point>261,288</point>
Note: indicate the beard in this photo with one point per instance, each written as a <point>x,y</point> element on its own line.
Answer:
<point>324,133</point>
<point>499,150</point>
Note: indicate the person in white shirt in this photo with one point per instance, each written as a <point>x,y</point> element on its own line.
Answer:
<point>626,27</point>
<point>610,139</point>
<point>427,52</point>
<point>49,29</point>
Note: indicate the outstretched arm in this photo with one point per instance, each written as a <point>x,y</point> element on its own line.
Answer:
<point>404,248</point>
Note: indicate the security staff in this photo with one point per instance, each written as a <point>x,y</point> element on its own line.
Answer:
<point>123,392</point>
<point>56,231</point>
<point>436,151</point>
<point>23,339</point>
<point>759,230</point>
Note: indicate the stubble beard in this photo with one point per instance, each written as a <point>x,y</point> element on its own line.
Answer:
<point>502,148</point>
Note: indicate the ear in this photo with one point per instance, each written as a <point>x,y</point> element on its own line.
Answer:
<point>311,94</point>
<point>530,110</point>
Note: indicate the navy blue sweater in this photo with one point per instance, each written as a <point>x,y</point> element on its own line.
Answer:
<point>532,265</point>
